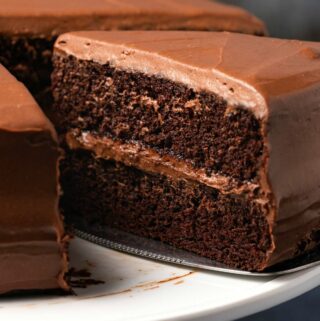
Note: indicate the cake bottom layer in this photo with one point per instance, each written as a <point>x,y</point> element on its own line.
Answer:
<point>229,228</point>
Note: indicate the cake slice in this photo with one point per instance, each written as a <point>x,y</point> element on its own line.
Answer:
<point>28,29</point>
<point>206,141</point>
<point>33,245</point>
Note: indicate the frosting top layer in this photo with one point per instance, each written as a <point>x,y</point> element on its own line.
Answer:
<point>61,16</point>
<point>246,70</point>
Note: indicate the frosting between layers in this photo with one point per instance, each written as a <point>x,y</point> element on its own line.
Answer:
<point>55,17</point>
<point>132,154</point>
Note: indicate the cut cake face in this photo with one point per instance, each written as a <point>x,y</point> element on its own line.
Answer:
<point>197,139</point>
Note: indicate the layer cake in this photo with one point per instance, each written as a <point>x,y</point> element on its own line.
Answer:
<point>206,141</point>
<point>32,240</point>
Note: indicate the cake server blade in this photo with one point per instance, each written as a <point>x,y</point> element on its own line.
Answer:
<point>125,242</point>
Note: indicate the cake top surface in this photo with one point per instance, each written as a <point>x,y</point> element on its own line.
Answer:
<point>19,111</point>
<point>137,14</point>
<point>266,67</point>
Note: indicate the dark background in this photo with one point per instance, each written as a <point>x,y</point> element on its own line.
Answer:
<point>292,19</point>
<point>297,19</point>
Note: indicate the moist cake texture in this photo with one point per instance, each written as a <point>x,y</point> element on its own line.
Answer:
<point>29,28</point>
<point>178,137</point>
<point>33,251</point>
<point>180,212</point>
<point>151,110</point>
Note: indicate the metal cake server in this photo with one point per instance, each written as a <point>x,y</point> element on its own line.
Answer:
<point>156,250</point>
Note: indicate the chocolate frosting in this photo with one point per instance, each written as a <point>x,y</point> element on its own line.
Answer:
<point>32,241</point>
<point>48,18</point>
<point>132,154</point>
<point>277,80</point>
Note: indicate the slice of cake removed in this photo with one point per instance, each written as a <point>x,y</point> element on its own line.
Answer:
<point>32,242</point>
<point>29,28</point>
<point>206,141</point>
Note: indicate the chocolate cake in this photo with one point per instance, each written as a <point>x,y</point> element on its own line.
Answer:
<point>206,141</point>
<point>33,245</point>
<point>28,29</point>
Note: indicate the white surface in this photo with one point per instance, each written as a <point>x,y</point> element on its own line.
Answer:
<point>139,289</point>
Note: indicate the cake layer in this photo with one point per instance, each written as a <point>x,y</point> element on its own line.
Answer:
<point>228,228</point>
<point>33,253</point>
<point>167,117</point>
<point>29,28</point>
